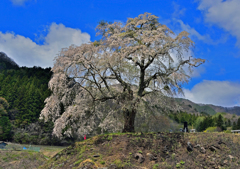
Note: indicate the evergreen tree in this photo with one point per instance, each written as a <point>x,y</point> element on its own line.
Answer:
<point>238,124</point>
<point>229,123</point>
<point>220,121</point>
<point>234,127</point>
<point>176,117</point>
<point>201,126</point>
<point>5,125</point>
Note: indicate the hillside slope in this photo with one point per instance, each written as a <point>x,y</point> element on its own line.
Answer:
<point>151,150</point>
<point>191,107</point>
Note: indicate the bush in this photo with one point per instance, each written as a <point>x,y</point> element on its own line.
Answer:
<point>211,129</point>
<point>227,131</point>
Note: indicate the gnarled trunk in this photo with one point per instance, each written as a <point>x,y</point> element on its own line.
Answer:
<point>129,117</point>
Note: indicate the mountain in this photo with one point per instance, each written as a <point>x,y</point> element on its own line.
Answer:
<point>6,62</point>
<point>191,107</point>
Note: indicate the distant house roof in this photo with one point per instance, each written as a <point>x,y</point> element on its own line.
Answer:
<point>3,143</point>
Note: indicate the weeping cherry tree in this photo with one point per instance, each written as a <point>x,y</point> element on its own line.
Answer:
<point>134,64</point>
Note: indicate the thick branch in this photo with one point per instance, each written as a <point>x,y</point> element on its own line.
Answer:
<point>169,71</point>
<point>119,78</point>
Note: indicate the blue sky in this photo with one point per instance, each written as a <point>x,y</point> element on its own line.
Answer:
<point>32,32</point>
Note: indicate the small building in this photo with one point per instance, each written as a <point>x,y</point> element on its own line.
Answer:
<point>3,145</point>
<point>192,130</point>
<point>235,131</point>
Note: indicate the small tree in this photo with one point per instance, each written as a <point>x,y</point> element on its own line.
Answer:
<point>229,123</point>
<point>220,121</point>
<point>132,66</point>
<point>234,127</point>
<point>238,124</point>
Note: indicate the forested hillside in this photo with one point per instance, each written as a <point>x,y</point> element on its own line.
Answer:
<point>22,94</point>
<point>25,89</point>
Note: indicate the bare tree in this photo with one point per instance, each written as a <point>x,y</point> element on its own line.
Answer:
<point>133,66</point>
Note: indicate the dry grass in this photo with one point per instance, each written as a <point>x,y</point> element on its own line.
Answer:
<point>117,150</point>
<point>24,159</point>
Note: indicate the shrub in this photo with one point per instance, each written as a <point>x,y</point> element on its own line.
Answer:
<point>102,162</point>
<point>227,131</point>
<point>118,163</point>
<point>155,166</point>
<point>211,129</point>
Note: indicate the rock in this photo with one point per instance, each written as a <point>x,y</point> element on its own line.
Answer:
<point>112,166</point>
<point>139,157</point>
<point>220,142</point>
<point>211,163</point>
<point>151,157</point>
<point>216,146</point>
<point>165,150</point>
<point>212,148</point>
<point>202,150</point>
<point>231,158</point>
<point>197,146</point>
<point>189,147</point>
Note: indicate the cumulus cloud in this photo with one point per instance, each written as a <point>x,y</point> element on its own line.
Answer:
<point>225,14</point>
<point>222,93</point>
<point>25,52</point>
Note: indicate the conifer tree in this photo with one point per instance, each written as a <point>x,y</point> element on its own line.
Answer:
<point>238,124</point>
<point>229,123</point>
<point>220,121</point>
<point>5,125</point>
<point>234,127</point>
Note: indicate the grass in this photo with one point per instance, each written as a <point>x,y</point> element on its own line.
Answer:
<point>119,149</point>
<point>26,158</point>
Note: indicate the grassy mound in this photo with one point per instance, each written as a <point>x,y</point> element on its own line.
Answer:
<point>151,150</point>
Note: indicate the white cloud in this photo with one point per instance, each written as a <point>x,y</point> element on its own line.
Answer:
<point>225,14</point>
<point>178,11</point>
<point>18,2</point>
<point>222,93</point>
<point>26,52</point>
<point>205,38</point>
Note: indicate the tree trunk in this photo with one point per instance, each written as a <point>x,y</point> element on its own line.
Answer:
<point>129,117</point>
